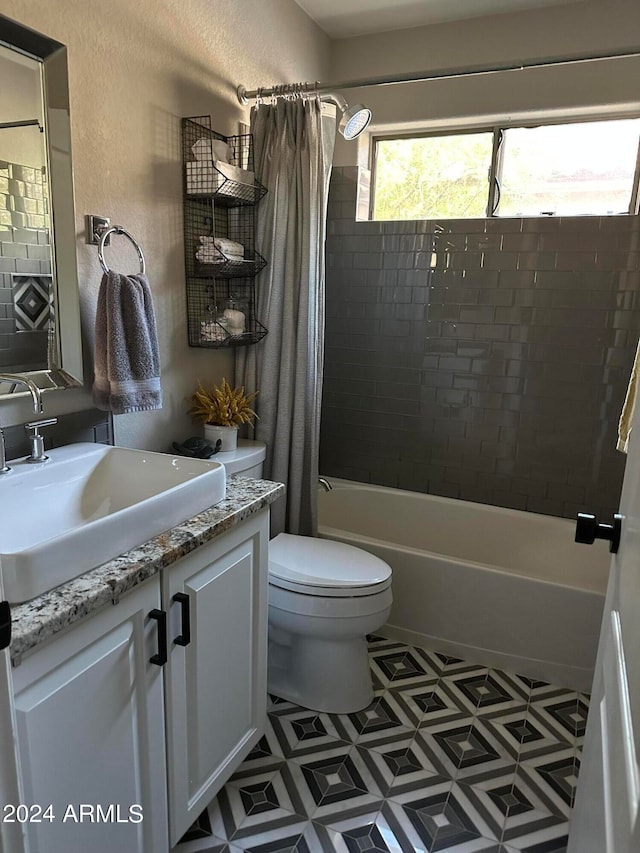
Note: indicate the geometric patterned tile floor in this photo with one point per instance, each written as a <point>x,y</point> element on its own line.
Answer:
<point>450,756</point>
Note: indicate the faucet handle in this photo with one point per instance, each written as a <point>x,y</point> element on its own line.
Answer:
<point>37,441</point>
<point>35,425</point>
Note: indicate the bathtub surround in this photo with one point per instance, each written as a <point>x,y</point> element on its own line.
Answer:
<point>478,581</point>
<point>293,147</point>
<point>481,359</point>
<point>449,756</point>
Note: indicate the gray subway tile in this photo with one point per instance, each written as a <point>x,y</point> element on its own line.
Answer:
<point>499,260</point>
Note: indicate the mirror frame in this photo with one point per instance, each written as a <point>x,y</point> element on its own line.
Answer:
<point>68,369</point>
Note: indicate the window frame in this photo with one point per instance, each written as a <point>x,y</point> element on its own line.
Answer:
<point>494,175</point>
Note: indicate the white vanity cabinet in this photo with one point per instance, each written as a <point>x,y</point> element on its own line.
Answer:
<point>90,725</point>
<point>99,723</point>
<point>215,684</point>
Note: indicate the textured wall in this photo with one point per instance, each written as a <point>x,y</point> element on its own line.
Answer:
<point>480,359</point>
<point>135,69</point>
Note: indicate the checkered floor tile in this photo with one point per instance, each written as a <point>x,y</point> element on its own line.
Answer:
<point>448,757</point>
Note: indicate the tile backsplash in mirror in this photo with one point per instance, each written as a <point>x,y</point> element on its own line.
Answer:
<point>25,268</point>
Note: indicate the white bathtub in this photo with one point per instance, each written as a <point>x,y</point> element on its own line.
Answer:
<point>501,587</point>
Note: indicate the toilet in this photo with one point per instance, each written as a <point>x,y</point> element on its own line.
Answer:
<point>324,598</point>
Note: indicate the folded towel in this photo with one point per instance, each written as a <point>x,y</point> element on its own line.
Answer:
<point>126,360</point>
<point>213,256</point>
<point>626,418</point>
<point>210,257</point>
<point>229,247</point>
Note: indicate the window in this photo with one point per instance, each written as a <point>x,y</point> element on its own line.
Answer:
<point>585,168</point>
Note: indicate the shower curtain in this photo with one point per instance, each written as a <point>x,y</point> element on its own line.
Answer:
<point>293,150</point>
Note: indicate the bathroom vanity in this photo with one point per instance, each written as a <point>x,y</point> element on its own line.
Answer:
<point>144,706</point>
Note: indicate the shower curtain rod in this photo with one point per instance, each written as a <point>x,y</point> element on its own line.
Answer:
<point>245,95</point>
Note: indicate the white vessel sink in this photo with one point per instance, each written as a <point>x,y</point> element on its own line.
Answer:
<point>90,503</point>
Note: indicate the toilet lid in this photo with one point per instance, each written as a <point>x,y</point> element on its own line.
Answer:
<point>324,567</point>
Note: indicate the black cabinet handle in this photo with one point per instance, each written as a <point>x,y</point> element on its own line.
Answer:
<point>5,624</point>
<point>184,601</point>
<point>588,529</point>
<point>161,618</point>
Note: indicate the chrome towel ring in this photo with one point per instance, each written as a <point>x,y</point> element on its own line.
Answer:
<point>118,229</point>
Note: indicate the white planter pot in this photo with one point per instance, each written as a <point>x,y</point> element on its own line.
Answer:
<point>229,436</point>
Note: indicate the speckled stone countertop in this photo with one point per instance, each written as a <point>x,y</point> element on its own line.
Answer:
<point>42,617</point>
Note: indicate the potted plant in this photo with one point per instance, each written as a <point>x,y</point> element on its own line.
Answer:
<point>222,410</point>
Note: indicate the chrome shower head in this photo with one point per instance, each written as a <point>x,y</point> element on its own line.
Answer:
<point>354,121</point>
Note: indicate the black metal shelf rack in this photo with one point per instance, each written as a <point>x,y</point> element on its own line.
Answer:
<point>219,202</point>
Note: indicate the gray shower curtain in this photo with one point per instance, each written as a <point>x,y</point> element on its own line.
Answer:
<point>293,150</point>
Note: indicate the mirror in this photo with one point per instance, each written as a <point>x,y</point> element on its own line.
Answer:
<point>39,302</point>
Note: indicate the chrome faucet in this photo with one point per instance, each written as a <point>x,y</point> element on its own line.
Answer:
<point>30,385</point>
<point>4,468</point>
<point>37,444</point>
<point>326,485</point>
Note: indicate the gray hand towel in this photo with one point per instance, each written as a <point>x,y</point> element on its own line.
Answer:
<point>126,361</point>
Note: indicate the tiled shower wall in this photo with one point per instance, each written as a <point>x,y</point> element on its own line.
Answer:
<point>479,359</point>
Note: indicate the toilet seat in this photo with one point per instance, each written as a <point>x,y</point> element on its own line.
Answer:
<point>323,567</point>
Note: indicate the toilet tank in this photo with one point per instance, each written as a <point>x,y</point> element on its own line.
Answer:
<point>246,461</point>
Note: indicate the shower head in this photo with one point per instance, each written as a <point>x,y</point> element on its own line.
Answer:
<point>354,121</point>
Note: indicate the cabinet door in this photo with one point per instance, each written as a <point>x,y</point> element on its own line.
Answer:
<point>90,726</point>
<point>216,685</point>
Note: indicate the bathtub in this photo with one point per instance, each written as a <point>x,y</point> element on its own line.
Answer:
<point>496,586</point>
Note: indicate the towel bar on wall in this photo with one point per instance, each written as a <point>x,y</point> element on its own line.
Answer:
<point>99,231</point>
<point>118,229</point>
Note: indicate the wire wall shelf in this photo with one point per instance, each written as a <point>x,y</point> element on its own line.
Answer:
<point>230,180</point>
<point>221,260</point>
<point>208,326</point>
<point>232,267</point>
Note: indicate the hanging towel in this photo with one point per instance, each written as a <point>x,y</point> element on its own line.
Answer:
<point>126,361</point>
<point>624,427</point>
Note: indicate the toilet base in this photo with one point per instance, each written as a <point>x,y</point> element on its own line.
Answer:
<point>322,675</point>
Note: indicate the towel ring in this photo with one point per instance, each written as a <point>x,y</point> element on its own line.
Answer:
<point>117,229</point>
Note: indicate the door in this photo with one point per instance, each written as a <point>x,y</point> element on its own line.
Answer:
<point>90,730</point>
<point>216,675</point>
<point>605,817</point>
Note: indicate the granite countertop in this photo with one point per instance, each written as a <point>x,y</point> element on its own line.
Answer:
<point>42,617</point>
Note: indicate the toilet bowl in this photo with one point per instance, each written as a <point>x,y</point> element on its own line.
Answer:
<point>324,598</point>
